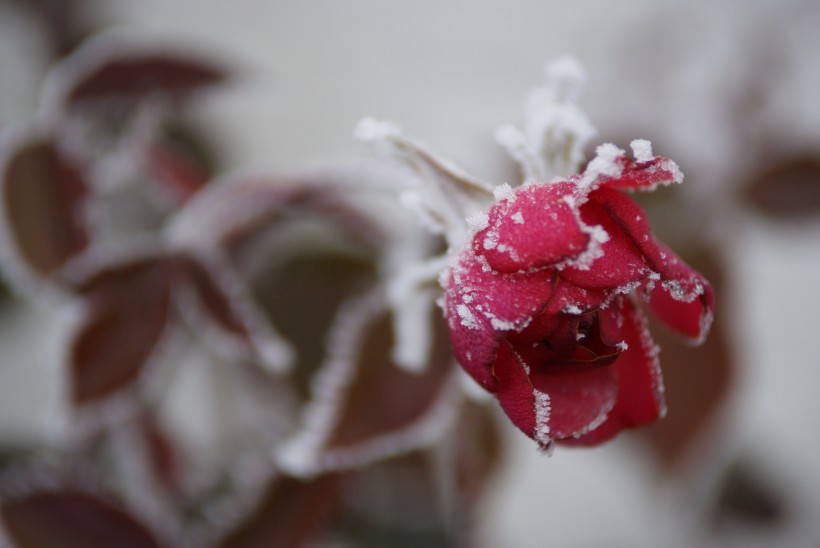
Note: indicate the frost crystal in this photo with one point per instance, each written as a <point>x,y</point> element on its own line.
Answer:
<point>542,418</point>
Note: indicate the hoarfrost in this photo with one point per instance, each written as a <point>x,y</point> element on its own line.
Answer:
<point>518,218</point>
<point>642,150</point>
<point>468,319</point>
<point>542,418</point>
<point>503,192</point>
<point>604,164</point>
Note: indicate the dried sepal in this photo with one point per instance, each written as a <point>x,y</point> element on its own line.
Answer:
<point>340,429</point>
<point>446,196</point>
<point>42,210</point>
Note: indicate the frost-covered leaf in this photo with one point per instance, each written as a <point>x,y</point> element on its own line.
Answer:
<point>789,190</point>
<point>43,197</point>
<point>291,514</point>
<point>222,302</point>
<point>102,74</point>
<point>128,309</point>
<point>66,517</point>
<point>341,429</point>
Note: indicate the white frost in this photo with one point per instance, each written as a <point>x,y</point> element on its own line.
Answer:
<point>642,150</point>
<point>542,418</point>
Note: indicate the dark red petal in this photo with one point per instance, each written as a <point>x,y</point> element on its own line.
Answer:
<point>515,393</point>
<point>43,195</point>
<point>638,379</point>
<point>580,396</point>
<point>621,261</point>
<point>67,517</point>
<point>482,305</point>
<point>682,299</point>
<point>533,228</point>
<point>175,173</point>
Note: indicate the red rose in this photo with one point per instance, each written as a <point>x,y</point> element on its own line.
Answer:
<point>543,305</point>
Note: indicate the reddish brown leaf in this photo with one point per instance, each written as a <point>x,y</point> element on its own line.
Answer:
<point>176,173</point>
<point>790,190</point>
<point>210,296</point>
<point>301,298</point>
<point>43,196</point>
<point>128,312</point>
<point>72,519</point>
<point>291,514</point>
<point>697,380</point>
<point>399,398</point>
<point>133,77</point>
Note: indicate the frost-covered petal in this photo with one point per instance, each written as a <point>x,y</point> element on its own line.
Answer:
<point>515,392</point>
<point>638,379</point>
<point>534,227</point>
<point>682,299</point>
<point>619,261</point>
<point>482,305</point>
<point>646,172</point>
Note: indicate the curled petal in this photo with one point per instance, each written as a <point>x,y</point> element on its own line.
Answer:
<point>619,260</point>
<point>535,227</point>
<point>682,299</point>
<point>482,306</point>
<point>638,379</point>
<point>515,392</point>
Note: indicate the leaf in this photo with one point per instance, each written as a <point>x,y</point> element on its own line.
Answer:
<point>697,380</point>
<point>42,199</point>
<point>68,518</point>
<point>364,407</point>
<point>291,514</point>
<point>130,77</point>
<point>239,327</point>
<point>788,191</point>
<point>128,311</point>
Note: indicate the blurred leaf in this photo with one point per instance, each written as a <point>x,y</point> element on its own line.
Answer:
<point>43,199</point>
<point>302,296</point>
<point>291,514</point>
<point>746,495</point>
<point>128,312</point>
<point>790,190</point>
<point>401,398</point>
<point>697,380</point>
<point>133,77</point>
<point>67,518</point>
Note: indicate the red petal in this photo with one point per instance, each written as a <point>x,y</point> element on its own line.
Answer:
<point>482,305</point>
<point>622,260</point>
<point>515,393</point>
<point>638,378</point>
<point>534,228</point>
<point>579,396</point>
<point>683,300</point>
<point>644,175</point>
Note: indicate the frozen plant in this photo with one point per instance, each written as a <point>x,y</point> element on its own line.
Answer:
<point>545,284</point>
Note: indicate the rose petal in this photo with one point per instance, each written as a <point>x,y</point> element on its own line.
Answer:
<point>637,376</point>
<point>685,300</point>
<point>621,261</point>
<point>482,305</point>
<point>644,175</point>
<point>536,227</point>
<point>515,393</point>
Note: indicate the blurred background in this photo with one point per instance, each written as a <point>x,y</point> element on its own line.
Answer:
<point>728,90</point>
